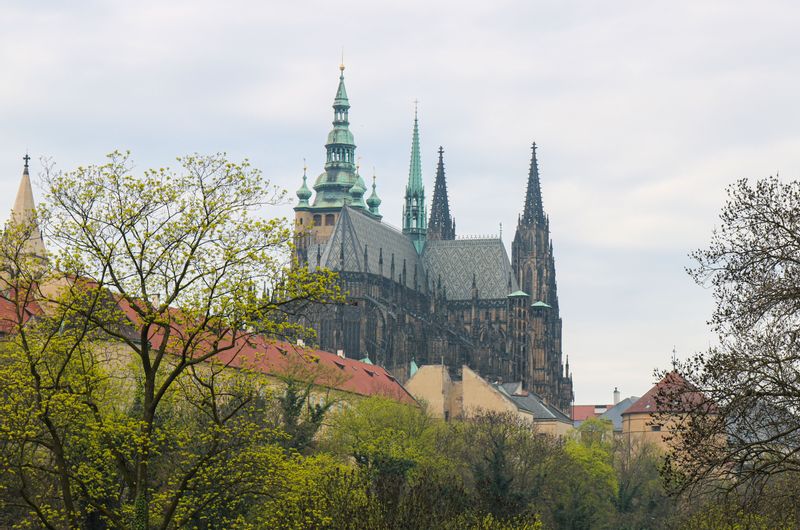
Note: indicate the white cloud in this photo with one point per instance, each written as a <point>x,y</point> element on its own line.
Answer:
<point>644,113</point>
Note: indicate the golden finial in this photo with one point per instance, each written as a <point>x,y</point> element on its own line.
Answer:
<point>305,166</point>
<point>341,64</point>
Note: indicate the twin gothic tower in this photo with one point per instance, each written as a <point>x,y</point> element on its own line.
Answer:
<point>420,295</point>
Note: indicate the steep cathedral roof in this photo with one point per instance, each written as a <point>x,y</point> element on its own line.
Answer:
<point>361,243</point>
<point>460,262</point>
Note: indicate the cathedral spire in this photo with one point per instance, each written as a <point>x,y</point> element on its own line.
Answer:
<point>415,166</point>
<point>23,212</point>
<point>414,220</point>
<point>533,196</point>
<point>440,225</point>
<point>341,93</point>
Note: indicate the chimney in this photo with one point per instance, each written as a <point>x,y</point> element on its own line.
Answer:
<point>616,395</point>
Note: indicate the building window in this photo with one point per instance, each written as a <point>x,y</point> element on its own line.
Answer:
<point>656,428</point>
<point>318,220</point>
<point>329,219</point>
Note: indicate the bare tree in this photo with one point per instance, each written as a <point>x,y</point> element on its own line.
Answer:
<point>743,436</point>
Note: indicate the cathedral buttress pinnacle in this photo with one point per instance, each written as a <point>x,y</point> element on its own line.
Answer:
<point>440,225</point>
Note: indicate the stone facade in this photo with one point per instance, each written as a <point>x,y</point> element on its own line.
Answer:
<point>422,294</point>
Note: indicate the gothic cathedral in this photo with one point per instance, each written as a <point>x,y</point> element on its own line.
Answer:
<point>421,295</point>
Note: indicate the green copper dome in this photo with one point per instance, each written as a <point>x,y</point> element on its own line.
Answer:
<point>340,136</point>
<point>304,193</point>
<point>357,193</point>
<point>374,201</point>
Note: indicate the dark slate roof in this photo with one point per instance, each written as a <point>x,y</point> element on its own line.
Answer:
<point>458,261</point>
<point>614,414</point>
<point>356,230</point>
<point>531,402</point>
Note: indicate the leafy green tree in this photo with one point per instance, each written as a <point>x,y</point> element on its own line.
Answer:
<point>506,465</point>
<point>150,293</point>
<point>301,418</point>
<point>642,500</point>
<point>405,455</point>
<point>588,486</point>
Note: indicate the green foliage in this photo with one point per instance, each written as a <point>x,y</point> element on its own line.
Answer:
<point>300,417</point>
<point>112,413</point>
<point>721,517</point>
<point>489,522</point>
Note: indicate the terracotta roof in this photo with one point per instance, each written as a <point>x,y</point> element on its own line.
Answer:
<point>324,368</point>
<point>672,387</point>
<point>259,353</point>
<point>8,312</point>
<point>277,358</point>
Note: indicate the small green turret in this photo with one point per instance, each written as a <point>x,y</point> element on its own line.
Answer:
<point>303,193</point>
<point>357,193</point>
<point>374,201</point>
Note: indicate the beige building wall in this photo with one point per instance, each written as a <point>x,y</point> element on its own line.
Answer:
<point>468,397</point>
<point>319,231</point>
<point>553,427</point>
<point>479,395</point>
<point>638,427</point>
<point>432,385</point>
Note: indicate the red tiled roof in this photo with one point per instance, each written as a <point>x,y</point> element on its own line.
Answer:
<point>584,412</point>
<point>260,354</point>
<point>324,368</point>
<point>278,358</point>
<point>9,316</point>
<point>672,387</point>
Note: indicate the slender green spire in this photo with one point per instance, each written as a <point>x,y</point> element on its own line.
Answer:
<point>341,93</point>
<point>415,223</point>
<point>415,167</point>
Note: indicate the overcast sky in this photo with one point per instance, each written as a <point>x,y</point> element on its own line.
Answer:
<point>643,111</point>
